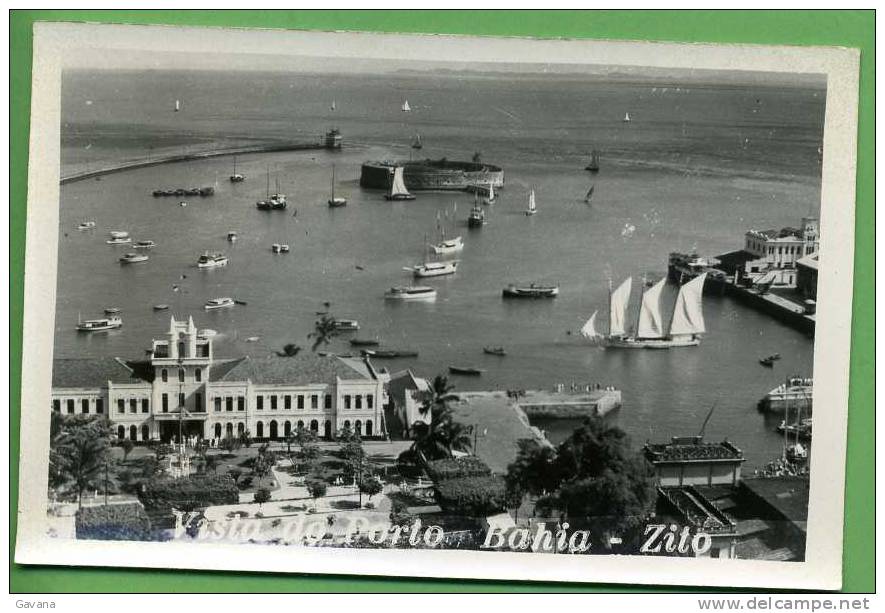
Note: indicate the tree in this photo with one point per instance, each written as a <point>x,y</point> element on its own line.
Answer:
<point>290,350</point>
<point>317,489</point>
<point>211,463</point>
<point>477,157</point>
<point>127,446</point>
<point>261,496</point>
<point>235,474</point>
<point>79,453</point>
<point>245,439</point>
<point>370,486</point>
<point>324,330</point>
<point>230,443</point>
<point>593,478</point>
<point>261,467</point>
<point>443,435</point>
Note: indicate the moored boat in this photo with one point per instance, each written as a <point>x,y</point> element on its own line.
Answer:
<point>236,177</point>
<point>466,370</point>
<point>532,290</point>
<point>494,351</point>
<point>390,353</point>
<point>344,325</point>
<point>112,311</point>
<point>232,236</point>
<point>476,218</point>
<point>532,207</point>
<point>133,258</point>
<point>410,292</point>
<point>99,325</point>
<point>398,189</point>
<point>86,225</point>
<point>593,166</point>
<point>795,393</point>
<point>435,269</point>
<point>161,307</point>
<point>448,246</point>
<point>335,201</point>
<point>144,245</point>
<point>364,342</point>
<point>212,260</point>
<point>218,303</point>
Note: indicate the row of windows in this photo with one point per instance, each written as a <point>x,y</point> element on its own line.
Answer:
<point>133,433</point>
<point>229,403</point>
<point>273,401</point>
<point>357,401</point>
<point>71,406</point>
<point>198,375</point>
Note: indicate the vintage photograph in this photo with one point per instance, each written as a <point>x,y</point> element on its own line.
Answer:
<point>329,302</point>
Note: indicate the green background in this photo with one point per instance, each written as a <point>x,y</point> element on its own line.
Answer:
<point>839,28</point>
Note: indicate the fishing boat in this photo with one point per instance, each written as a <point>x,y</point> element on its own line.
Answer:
<point>144,245</point>
<point>589,195</point>
<point>466,370</point>
<point>236,177</point>
<point>232,236</point>
<point>112,311</point>
<point>99,325</point>
<point>212,260</point>
<point>532,208</point>
<point>161,307</point>
<point>405,107</point>
<point>532,290</point>
<point>398,189</point>
<point>133,258</point>
<point>410,292</point>
<point>416,142</point>
<point>364,342</point>
<point>683,330</point>
<point>476,218</point>
<point>345,325</point>
<point>626,118</point>
<point>218,303</point>
<point>335,201</point>
<point>86,225</point>
<point>499,351</point>
<point>593,165</point>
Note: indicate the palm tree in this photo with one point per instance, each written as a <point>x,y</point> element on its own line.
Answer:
<point>81,454</point>
<point>443,434</point>
<point>290,350</point>
<point>438,396</point>
<point>324,330</point>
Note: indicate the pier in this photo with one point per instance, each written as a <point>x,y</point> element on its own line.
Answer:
<point>201,155</point>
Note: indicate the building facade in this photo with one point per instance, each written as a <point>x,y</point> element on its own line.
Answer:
<point>690,461</point>
<point>184,390</point>
<point>772,255</point>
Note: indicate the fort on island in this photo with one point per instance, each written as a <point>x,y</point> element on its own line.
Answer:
<point>441,174</point>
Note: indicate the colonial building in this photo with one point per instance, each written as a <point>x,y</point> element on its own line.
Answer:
<point>183,387</point>
<point>404,390</point>
<point>690,461</point>
<point>771,255</point>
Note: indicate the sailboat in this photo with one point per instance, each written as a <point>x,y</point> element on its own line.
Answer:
<point>332,107</point>
<point>236,177</point>
<point>589,195</point>
<point>177,106</point>
<point>406,108</point>
<point>272,201</point>
<point>416,143</point>
<point>490,197</point>
<point>335,201</point>
<point>532,208</point>
<point>626,118</point>
<point>398,189</point>
<point>593,166</point>
<point>446,246</point>
<point>433,269</point>
<point>685,326</point>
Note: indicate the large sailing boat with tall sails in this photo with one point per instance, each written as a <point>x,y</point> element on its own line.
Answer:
<point>683,330</point>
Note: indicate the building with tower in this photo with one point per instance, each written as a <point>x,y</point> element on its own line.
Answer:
<point>183,389</point>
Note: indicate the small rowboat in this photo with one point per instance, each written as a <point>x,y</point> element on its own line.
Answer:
<point>390,353</point>
<point>466,370</point>
<point>364,342</point>
<point>494,351</point>
<point>161,307</point>
<point>112,311</point>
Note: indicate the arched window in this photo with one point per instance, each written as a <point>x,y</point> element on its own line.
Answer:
<point>241,428</point>
<point>217,430</point>
<point>133,433</point>
<point>327,428</point>
<point>300,424</point>
<point>181,375</point>
<point>314,425</point>
<point>121,432</point>
<point>198,375</point>
<point>273,429</point>
<point>181,349</point>
<point>287,428</point>
<point>369,426</point>
<point>347,424</point>
<point>145,433</point>
<point>164,375</point>
<point>358,427</point>
<point>229,429</point>
<point>259,430</point>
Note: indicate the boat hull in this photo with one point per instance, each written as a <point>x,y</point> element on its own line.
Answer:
<point>665,343</point>
<point>410,297</point>
<point>435,271</point>
<point>530,293</point>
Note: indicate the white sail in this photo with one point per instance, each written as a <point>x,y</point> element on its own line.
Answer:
<point>651,322</point>
<point>398,185</point>
<point>589,330</point>
<point>532,206</point>
<point>626,117</point>
<point>620,300</point>
<point>491,192</point>
<point>406,108</point>
<point>333,107</point>
<point>177,106</point>
<point>688,316</point>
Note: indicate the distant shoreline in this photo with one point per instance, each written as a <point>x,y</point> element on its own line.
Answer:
<point>185,157</point>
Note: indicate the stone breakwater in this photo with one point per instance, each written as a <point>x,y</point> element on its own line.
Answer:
<point>432,174</point>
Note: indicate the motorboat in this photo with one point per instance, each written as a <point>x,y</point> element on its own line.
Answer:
<point>364,342</point>
<point>448,246</point>
<point>99,325</point>
<point>218,303</point>
<point>161,307</point>
<point>275,247</point>
<point>466,370</point>
<point>133,258</point>
<point>212,260</point>
<point>144,245</point>
<point>531,290</point>
<point>232,236</point>
<point>499,351</point>
<point>390,353</point>
<point>86,225</point>
<point>410,292</point>
<point>112,311</point>
<point>284,248</point>
<point>122,240</point>
<point>345,325</point>
<point>118,234</point>
<point>434,269</point>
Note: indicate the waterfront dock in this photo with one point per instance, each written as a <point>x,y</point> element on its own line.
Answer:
<point>779,307</point>
<point>500,419</point>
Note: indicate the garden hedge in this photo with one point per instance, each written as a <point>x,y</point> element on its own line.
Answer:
<point>189,493</point>
<point>457,468</point>
<point>478,496</point>
<point>113,522</point>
